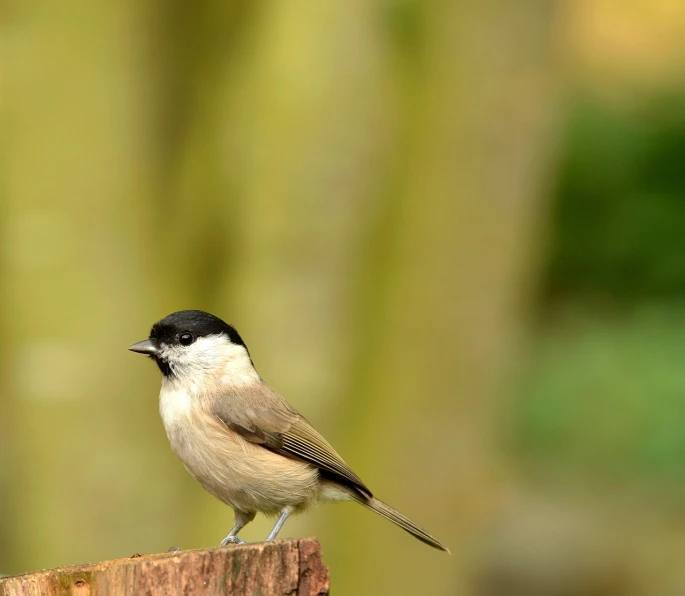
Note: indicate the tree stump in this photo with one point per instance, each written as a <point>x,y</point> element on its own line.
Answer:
<point>288,567</point>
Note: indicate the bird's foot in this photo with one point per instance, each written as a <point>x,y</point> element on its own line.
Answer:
<point>232,540</point>
<point>174,549</point>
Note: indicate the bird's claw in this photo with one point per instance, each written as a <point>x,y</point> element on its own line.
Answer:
<point>231,540</point>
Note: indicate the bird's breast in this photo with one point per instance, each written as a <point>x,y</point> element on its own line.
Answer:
<point>244,475</point>
<point>175,406</point>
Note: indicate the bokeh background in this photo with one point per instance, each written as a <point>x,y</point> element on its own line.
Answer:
<point>452,233</point>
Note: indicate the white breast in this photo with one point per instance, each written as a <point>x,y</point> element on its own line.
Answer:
<point>244,475</point>
<point>174,405</point>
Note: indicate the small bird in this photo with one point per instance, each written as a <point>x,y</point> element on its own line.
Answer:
<point>242,441</point>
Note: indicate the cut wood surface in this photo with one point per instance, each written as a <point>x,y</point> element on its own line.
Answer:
<point>292,567</point>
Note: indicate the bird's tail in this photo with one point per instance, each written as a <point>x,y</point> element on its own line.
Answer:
<point>403,522</point>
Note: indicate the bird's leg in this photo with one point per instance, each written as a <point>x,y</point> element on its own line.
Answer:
<point>231,537</point>
<point>241,520</point>
<point>285,513</point>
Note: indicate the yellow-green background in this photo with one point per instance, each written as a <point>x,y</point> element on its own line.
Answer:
<point>452,234</point>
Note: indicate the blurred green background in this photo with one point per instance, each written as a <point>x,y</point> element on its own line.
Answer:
<point>452,234</point>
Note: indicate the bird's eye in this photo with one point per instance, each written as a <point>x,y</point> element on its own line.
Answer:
<point>186,338</point>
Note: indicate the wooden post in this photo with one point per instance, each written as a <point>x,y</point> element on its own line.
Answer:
<point>292,567</point>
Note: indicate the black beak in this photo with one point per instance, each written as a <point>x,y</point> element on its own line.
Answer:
<point>147,346</point>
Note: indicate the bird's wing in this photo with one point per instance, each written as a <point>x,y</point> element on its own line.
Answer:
<point>265,418</point>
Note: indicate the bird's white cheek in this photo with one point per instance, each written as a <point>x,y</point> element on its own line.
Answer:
<point>240,377</point>
<point>238,369</point>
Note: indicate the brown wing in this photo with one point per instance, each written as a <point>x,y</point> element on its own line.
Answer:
<point>265,418</point>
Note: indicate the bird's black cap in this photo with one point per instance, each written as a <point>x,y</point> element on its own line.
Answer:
<point>197,322</point>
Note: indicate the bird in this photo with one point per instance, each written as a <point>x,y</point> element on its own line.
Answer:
<point>243,442</point>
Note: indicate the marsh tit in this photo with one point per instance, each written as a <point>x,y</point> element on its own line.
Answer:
<point>238,437</point>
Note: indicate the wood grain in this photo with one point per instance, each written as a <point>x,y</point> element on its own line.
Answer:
<point>289,567</point>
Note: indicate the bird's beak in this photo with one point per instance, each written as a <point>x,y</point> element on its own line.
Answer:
<point>147,346</point>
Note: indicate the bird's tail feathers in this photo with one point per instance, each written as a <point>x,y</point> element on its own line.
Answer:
<point>403,522</point>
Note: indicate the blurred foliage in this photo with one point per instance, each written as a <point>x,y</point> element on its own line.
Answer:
<point>581,412</point>
<point>598,421</point>
<point>619,216</point>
